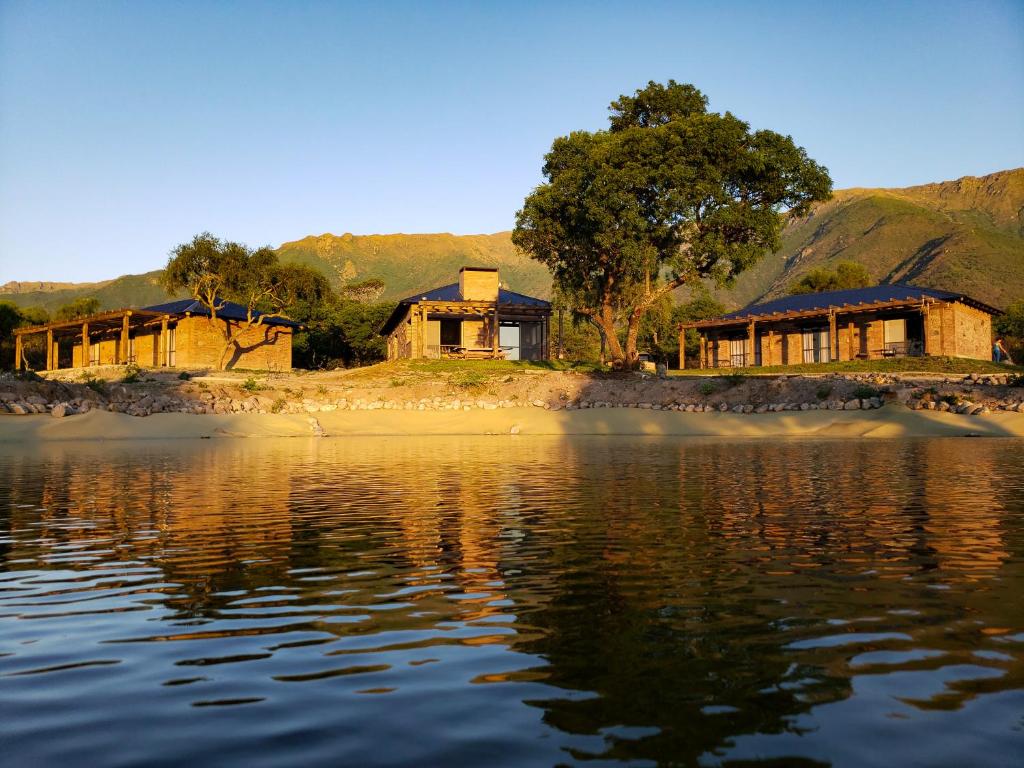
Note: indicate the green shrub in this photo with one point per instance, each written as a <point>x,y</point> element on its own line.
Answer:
<point>824,391</point>
<point>94,383</point>
<point>132,374</point>
<point>251,385</point>
<point>278,405</point>
<point>707,388</point>
<point>184,375</point>
<point>864,392</point>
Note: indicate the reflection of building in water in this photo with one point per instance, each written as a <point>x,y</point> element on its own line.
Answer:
<point>162,509</point>
<point>908,507</point>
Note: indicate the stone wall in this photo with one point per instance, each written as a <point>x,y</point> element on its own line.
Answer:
<point>200,343</point>
<point>973,333</point>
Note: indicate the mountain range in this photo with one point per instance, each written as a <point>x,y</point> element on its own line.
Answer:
<point>965,235</point>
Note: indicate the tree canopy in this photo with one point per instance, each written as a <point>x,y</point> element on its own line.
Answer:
<point>86,305</point>
<point>847,274</point>
<point>214,271</point>
<point>669,194</point>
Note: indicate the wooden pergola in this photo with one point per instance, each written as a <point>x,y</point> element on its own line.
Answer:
<point>482,309</point>
<point>830,312</point>
<point>84,329</point>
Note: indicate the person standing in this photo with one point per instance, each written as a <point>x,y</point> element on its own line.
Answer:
<point>999,352</point>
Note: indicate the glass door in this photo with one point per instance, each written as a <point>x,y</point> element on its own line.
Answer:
<point>817,346</point>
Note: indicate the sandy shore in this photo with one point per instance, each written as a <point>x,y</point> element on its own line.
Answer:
<point>888,422</point>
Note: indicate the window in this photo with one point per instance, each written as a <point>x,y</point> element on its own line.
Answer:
<point>817,346</point>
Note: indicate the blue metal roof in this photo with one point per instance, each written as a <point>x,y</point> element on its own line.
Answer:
<point>228,310</point>
<point>879,293</point>
<point>452,293</point>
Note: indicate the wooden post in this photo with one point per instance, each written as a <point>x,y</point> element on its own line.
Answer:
<point>853,349</point>
<point>771,347</point>
<point>495,332</point>
<point>49,349</point>
<point>422,332</point>
<point>751,341</point>
<point>704,351</point>
<point>833,336</point>
<point>164,354</point>
<point>124,339</point>
<point>18,354</point>
<point>925,316</point>
<point>86,355</point>
<point>682,349</point>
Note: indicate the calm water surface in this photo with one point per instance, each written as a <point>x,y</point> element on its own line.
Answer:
<point>502,601</point>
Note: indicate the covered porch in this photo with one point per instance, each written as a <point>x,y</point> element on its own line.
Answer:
<point>480,330</point>
<point>883,330</point>
<point>117,337</point>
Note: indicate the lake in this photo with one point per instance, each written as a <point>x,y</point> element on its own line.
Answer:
<point>508,601</point>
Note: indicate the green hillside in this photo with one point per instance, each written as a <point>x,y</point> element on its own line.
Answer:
<point>411,263</point>
<point>964,235</point>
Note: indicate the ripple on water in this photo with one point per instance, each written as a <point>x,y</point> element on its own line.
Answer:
<point>527,602</point>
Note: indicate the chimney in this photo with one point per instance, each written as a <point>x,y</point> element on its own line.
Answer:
<point>478,283</point>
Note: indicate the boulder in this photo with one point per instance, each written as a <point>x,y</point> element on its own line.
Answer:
<point>852,405</point>
<point>60,410</point>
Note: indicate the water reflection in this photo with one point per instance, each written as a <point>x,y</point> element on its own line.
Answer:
<point>507,601</point>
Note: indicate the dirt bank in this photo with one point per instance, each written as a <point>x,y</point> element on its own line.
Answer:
<point>888,422</point>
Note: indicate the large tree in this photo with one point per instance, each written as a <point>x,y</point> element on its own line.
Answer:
<point>214,271</point>
<point>669,194</point>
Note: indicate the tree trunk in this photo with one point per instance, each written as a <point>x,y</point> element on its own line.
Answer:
<point>606,322</point>
<point>632,356</point>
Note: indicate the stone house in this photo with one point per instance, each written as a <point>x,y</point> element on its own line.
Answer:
<point>176,334</point>
<point>859,324</point>
<point>473,318</point>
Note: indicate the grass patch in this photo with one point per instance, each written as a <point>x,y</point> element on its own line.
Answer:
<point>251,385</point>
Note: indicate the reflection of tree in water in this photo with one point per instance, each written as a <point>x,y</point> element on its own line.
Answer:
<point>715,561</point>
<point>670,578</point>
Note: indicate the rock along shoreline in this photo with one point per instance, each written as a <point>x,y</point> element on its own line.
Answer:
<point>555,402</point>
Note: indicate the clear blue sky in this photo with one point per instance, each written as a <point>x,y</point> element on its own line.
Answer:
<point>127,127</point>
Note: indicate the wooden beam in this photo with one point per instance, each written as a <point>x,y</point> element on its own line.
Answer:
<point>49,349</point>
<point>86,355</point>
<point>751,340</point>
<point>853,347</point>
<point>682,349</point>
